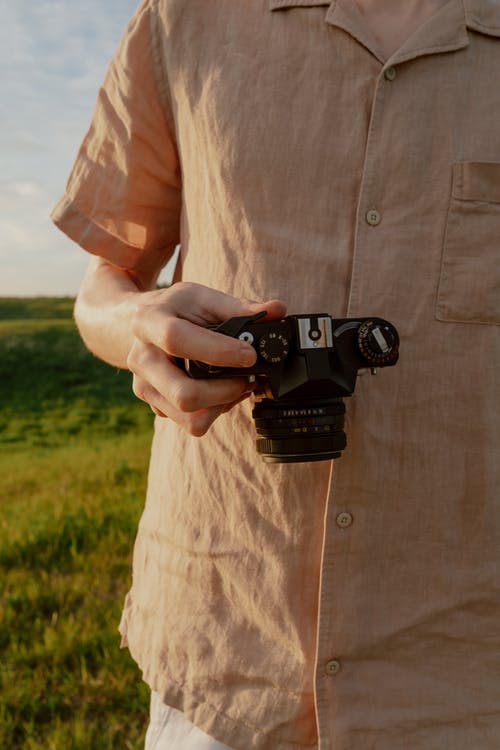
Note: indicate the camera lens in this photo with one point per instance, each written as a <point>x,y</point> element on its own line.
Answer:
<point>292,431</point>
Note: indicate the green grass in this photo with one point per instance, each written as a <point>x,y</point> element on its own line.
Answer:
<point>74,446</point>
<point>30,308</point>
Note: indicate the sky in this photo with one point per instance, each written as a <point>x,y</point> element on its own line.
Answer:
<point>53,57</point>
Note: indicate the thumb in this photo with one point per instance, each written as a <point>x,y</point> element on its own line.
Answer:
<point>274,308</point>
<point>206,306</point>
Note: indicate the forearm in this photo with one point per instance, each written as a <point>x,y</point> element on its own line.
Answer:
<point>104,309</point>
<point>127,322</point>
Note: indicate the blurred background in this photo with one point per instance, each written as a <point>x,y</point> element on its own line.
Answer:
<point>74,442</point>
<point>53,57</point>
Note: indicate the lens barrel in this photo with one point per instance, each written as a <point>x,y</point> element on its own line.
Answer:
<point>290,432</point>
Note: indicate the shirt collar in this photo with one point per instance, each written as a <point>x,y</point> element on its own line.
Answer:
<point>445,31</point>
<point>483,16</point>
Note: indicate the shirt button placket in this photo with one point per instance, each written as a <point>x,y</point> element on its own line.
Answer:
<point>373,217</point>
<point>332,634</point>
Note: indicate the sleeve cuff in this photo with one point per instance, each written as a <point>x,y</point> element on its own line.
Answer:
<point>98,240</point>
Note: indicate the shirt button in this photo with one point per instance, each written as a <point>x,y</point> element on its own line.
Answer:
<point>344,520</point>
<point>332,667</point>
<point>373,217</point>
<point>390,74</point>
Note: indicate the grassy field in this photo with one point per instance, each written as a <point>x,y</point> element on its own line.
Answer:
<point>74,446</point>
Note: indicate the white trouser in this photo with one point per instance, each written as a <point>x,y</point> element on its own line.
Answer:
<point>170,730</point>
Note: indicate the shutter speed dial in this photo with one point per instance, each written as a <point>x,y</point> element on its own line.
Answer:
<point>273,347</point>
<point>378,343</point>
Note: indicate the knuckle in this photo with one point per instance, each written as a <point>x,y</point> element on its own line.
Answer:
<point>136,358</point>
<point>197,427</point>
<point>181,287</point>
<point>200,423</point>
<point>185,398</point>
<point>138,319</point>
<point>172,335</point>
<point>140,389</point>
<point>133,360</point>
<point>179,291</point>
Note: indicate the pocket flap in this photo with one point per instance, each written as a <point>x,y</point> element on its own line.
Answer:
<point>283,4</point>
<point>477,181</point>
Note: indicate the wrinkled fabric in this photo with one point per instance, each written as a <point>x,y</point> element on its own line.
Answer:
<point>262,136</point>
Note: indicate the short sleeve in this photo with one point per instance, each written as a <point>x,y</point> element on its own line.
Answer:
<point>123,196</point>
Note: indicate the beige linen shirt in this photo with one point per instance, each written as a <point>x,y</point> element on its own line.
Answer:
<point>345,607</point>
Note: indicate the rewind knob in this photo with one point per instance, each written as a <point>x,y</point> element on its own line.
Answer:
<point>378,342</point>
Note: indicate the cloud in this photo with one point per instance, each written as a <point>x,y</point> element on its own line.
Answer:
<point>53,56</point>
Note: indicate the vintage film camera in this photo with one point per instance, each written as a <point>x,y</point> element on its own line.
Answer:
<point>309,364</point>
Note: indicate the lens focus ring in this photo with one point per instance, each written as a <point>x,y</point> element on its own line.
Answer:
<point>291,432</point>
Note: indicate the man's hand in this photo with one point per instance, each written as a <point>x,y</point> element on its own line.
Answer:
<point>170,323</point>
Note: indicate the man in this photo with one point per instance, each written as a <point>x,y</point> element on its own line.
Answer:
<point>304,151</point>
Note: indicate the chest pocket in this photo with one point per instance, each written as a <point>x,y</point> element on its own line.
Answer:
<point>469,284</point>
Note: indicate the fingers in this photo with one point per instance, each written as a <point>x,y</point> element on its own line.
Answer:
<point>160,383</point>
<point>181,338</point>
<point>196,423</point>
<point>172,323</point>
<point>158,412</point>
<point>176,323</point>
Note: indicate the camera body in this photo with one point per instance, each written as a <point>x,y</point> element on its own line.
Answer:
<point>308,364</point>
